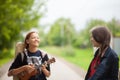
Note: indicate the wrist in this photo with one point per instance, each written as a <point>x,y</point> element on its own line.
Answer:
<point>43,69</point>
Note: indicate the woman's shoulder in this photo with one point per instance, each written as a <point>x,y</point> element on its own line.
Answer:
<point>111,53</point>
<point>114,54</point>
<point>44,53</point>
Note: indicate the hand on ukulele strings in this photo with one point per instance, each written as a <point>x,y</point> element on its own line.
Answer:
<point>44,70</point>
<point>30,68</point>
<point>43,67</point>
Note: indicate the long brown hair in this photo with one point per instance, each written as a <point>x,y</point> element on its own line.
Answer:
<point>101,35</point>
<point>27,37</point>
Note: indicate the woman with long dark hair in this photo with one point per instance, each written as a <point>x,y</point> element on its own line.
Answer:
<point>104,65</point>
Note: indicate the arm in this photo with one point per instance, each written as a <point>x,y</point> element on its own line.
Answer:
<point>16,71</point>
<point>107,66</point>
<point>16,64</point>
<point>45,71</point>
<point>46,68</point>
<point>28,68</point>
<point>100,70</point>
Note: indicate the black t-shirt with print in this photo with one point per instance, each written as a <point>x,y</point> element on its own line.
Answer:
<point>18,62</point>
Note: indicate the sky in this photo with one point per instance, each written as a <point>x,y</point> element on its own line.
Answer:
<point>81,11</point>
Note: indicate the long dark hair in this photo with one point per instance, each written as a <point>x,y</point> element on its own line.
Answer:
<point>101,35</point>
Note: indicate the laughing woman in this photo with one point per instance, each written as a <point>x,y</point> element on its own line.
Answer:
<point>33,56</point>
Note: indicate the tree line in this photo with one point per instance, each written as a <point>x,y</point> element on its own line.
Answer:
<point>62,32</point>
<point>18,16</point>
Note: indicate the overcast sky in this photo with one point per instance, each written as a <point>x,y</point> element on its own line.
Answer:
<point>80,11</point>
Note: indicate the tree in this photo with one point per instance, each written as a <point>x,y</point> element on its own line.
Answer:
<point>61,33</point>
<point>114,26</point>
<point>83,40</point>
<point>17,16</point>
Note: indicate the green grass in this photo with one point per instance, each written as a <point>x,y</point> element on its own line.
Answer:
<point>4,61</point>
<point>80,57</point>
<point>7,57</point>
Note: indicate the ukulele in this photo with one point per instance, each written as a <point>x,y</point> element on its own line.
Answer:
<point>25,74</point>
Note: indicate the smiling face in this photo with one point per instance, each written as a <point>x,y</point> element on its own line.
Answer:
<point>33,40</point>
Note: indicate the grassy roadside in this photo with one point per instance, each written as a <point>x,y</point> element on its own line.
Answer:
<point>4,61</point>
<point>80,57</point>
<point>7,57</point>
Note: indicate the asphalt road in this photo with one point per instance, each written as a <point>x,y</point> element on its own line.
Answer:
<point>59,71</point>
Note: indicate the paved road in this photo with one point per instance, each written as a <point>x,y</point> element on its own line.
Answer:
<point>59,71</point>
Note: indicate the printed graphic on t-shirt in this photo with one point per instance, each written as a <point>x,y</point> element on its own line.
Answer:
<point>34,60</point>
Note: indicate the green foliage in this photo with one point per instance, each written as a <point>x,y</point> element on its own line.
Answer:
<point>17,16</point>
<point>79,57</point>
<point>94,22</point>
<point>69,51</point>
<point>82,57</point>
<point>62,32</point>
<point>83,39</point>
<point>6,53</point>
<point>4,61</point>
<point>114,27</point>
